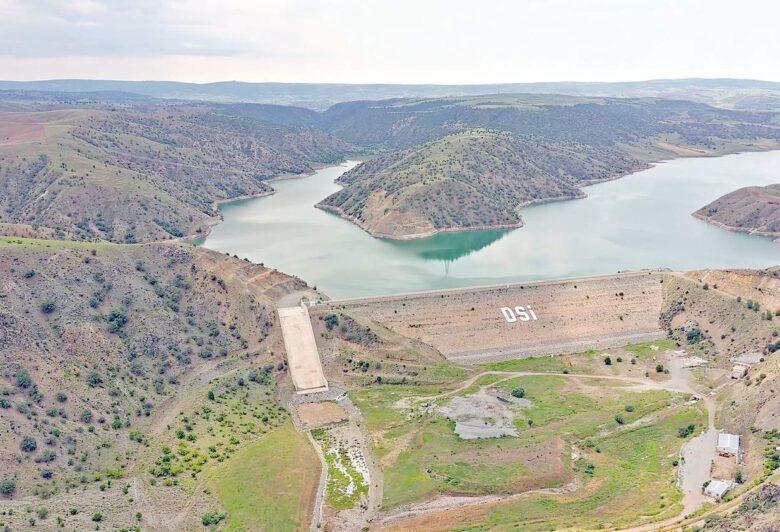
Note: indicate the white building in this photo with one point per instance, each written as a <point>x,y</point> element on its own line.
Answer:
<point>717,489</point>
<point>728,444</point>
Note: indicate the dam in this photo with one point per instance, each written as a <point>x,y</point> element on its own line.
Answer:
<point>500,322</point>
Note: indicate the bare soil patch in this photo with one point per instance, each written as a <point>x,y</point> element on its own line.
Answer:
<point>313,415</point>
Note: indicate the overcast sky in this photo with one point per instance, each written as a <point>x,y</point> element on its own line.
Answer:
<point>400,41</point>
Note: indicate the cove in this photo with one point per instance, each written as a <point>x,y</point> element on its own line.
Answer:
<point>639,221</point>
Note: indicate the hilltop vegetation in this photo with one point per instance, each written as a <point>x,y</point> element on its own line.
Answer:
<point>475,179</point>
<point>752,210</point>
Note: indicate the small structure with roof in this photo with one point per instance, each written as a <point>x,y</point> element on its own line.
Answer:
<point>717,488</point>
<point>728,445</point>
<point>739,371</point>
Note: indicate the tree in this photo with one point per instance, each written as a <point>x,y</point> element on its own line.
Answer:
<point>48,306</point>
<point>518,392</point>
<point>659,368</point>
<point>620,419</point>
<point>608,361</point>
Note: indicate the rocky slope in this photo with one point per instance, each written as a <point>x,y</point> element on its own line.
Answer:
<point>752,210</point>
<point>470,180</point>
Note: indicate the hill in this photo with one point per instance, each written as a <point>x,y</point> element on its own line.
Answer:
<point>470,180</point>
<point>140,172</point>
<point>421,188</point>
<point>603,121</point>
<point>102,346</point>
<point>752,210</point>
<point>724,92</point>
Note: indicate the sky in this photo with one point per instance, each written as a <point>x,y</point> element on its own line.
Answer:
<point>400,41</point>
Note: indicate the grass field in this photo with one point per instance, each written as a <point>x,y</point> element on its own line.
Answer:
<point>587,362</point>
<point>269,484</point>
<point>422,456</point>
<point>633,482</point>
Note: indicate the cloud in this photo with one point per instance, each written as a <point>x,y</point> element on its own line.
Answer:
<point>395,41</point>
<point>48,28</point>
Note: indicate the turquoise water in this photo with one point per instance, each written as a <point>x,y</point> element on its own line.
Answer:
<point>640,221</point>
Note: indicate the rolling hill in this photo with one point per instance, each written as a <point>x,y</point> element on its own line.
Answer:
<point>725,92</point>
<point>470,180</point>
<point>144,171</point>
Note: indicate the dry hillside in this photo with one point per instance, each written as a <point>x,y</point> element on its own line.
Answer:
<point>101,345</point>
<point>147,172</point>
<point>752,210</point>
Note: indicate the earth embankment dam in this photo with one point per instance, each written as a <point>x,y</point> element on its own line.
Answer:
<point>491,323</point>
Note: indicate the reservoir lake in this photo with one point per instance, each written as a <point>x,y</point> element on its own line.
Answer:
<point>639,221</point>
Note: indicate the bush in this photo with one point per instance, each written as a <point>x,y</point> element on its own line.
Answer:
<point>518,392</point>
<point>94,379</point>
<point>608,361</point>
<point>23,379</point>
<point>212,518</point>
<point>659,368</point>
<point>693,336</point>
<point>7,487</point>
<point>116,320</point>
<point>28,444</point>
<point>48,306</point>
<point>629,408</point>
<point>684,432</point>
<point>331,321</point>
<point>97,517</point>
<point>86,416</point>
<point>620,419</point>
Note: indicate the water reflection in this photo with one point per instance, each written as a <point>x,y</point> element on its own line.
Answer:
<point>449,246</point>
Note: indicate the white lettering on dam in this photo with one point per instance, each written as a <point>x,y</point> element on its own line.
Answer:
<point>511,315</point>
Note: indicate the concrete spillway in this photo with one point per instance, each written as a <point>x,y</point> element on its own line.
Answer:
<point>302,355</point>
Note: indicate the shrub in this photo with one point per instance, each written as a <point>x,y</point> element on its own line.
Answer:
<point>97,517</point>
<point>608,361</point>
<point>48,306</point>
<point>86,416</point>
<point>518,392</point>
<point>28,444</point>
<point>620,419</point>
<point>212,518</point>
<point>23,379</point>
<point>629,408</point>
<point>693,336</point>
<point>7,487</point>
<point>116,320</point>
<point>331,321</point>
<point>659,368</point>
<point>684,432</point>
<point>94,379</point>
